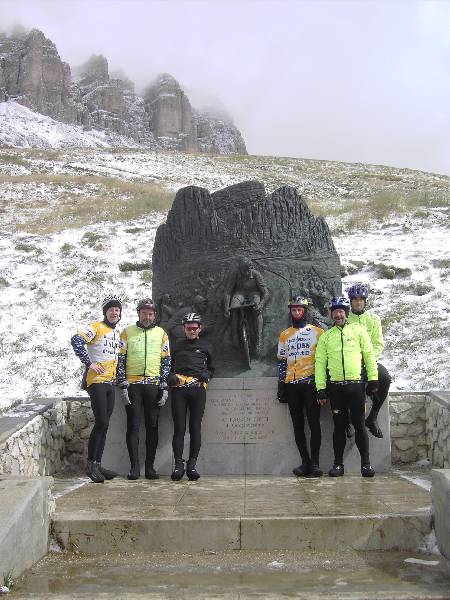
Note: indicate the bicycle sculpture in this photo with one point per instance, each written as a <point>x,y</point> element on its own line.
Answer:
<point>245,298</point>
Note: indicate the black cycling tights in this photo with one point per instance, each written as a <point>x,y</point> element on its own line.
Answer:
<point>142,394</point>
<point>342,399</point>
<point>302,398</point>
<point>102,403</point>
<point>183,398</point>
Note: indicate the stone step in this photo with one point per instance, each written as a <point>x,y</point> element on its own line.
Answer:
<point>244,513</point>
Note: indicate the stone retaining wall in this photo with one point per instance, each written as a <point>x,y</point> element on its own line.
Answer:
<point>409,441</point>
<point>419,421</point>
<point>78,426</point>
<point>38,448</point>
<point>438,429</point>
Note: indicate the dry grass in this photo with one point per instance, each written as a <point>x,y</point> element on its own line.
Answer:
<point>96,199</point>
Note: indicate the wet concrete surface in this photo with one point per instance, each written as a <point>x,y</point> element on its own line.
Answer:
<point>239,497</point>
<point>240,575</point>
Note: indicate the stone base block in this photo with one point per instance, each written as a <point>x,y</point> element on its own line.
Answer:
<point>440,494</point>
<point>24,522</point>
<point>245,431</point>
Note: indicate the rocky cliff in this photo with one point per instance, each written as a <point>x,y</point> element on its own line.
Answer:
<point>33,74</point>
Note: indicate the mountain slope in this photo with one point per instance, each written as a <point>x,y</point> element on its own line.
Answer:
<point>72,219</point>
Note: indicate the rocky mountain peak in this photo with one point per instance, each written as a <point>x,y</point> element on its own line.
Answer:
<point>33,74</point>
<point>94,69</point>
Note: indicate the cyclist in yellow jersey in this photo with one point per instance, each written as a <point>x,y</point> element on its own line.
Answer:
<point>97,346</point>
<point>296,352</point>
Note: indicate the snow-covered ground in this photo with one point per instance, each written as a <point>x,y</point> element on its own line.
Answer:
<point>20,127</point>
<point>53,282</point>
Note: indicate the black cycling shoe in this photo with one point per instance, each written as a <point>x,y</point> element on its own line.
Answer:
<point>94,472</point>
<point>303,470</point>
<point>373,427</point>
<point>150,472</point>
<point>107,473</point>
<point>135,472</point>
<point>178,472</point>
<point>336,471</point>
<point>191,471</point>
<point>367,471</point>
<point>315,470</point>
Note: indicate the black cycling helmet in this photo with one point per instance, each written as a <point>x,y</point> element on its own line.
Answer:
<point>191,318</point>
<point>358,290</point>
<point>340,302</point>
<point>146,303</point>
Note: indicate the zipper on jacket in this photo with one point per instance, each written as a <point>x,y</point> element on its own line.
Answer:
<point>145,352</point>
<point>342,350</point>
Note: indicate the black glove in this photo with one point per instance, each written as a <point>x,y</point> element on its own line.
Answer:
<point>204,376</point>
<point>172,380</point>
<point>123,392</point>
<point>322,395</point>
<point>372,388</point>
<point>281,393</point>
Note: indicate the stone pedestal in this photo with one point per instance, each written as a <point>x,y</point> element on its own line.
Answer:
<point>245,431</point>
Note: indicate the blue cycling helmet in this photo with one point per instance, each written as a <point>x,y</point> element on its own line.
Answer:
<point>340,302</point>
<point>358,290</point>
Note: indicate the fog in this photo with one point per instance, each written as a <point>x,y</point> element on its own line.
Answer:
<point>356,81</point>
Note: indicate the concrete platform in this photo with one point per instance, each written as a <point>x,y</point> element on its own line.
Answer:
<point>244,513</point>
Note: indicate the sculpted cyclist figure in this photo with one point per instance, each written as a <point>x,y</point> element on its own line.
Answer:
<point>358,294</point>
<point>97,346</point>
<point>246,286</point>
<point>190,373</point>
<point>340,351</point>
<point>144,365</point>
<point>296,354</point>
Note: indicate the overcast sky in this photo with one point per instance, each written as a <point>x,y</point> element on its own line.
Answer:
<point>360,81</point>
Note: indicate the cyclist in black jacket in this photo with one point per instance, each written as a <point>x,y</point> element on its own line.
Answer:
<point>190,373</point>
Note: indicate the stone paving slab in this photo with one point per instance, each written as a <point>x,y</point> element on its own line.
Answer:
<point>257,513</point>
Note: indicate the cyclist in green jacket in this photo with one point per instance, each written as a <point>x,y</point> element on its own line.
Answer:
<point>358,294</point>
<point>144,365</point>
<point>340,352</point>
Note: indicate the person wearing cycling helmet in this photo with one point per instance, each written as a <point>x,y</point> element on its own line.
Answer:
<point>358,294</point>
<point>144,365</point>
<point>340,352</point>
<point>97,346</point>
<point>191,371</point>
<point>296,352</point>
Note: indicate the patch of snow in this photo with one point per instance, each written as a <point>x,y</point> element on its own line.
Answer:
<point>20,127</point>
<point>423,483</point>
<point>421,561</point>
<point>430,545</point>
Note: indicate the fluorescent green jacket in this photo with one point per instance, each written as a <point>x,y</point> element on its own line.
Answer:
<point>144,349</point>
<point>341,351</point>
<point>372,323</point>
